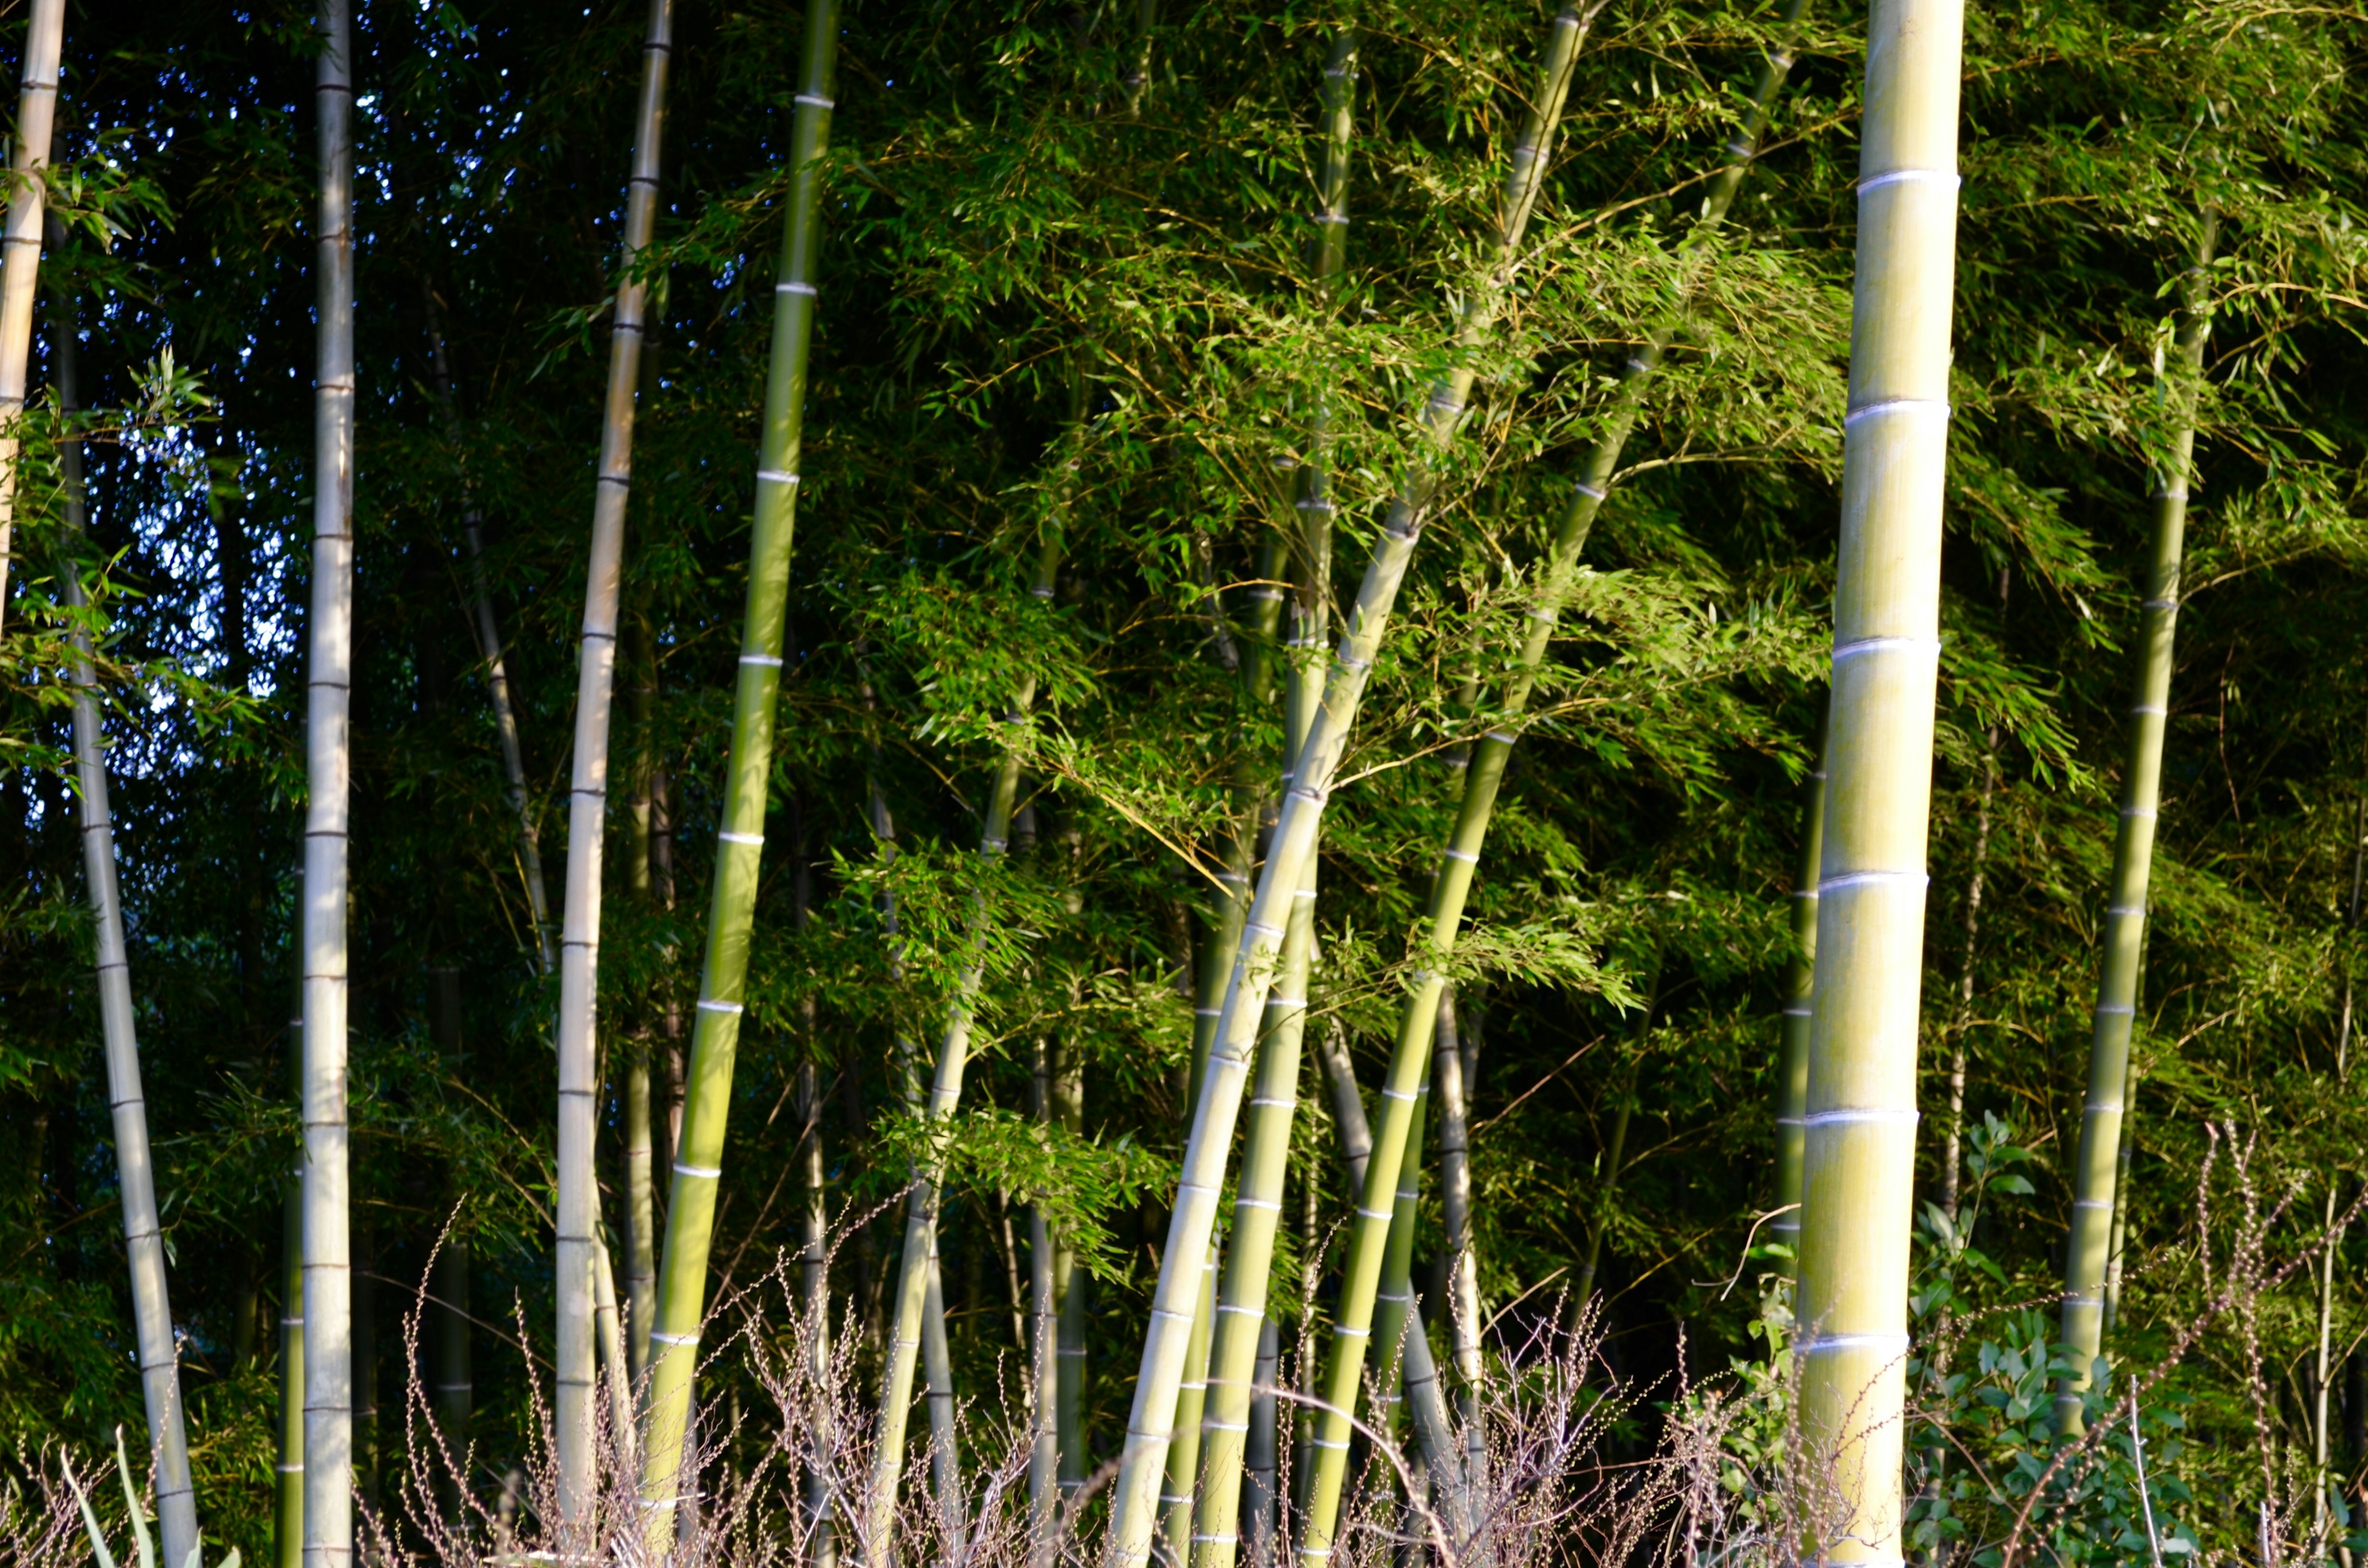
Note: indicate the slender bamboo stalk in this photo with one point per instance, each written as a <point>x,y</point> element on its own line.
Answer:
<point>916,1267</point>
<point>588,811</point>
<point>699,1151</point>
<point>938,1374</point>
<point>328,1338</point>
<point>1043,1354</point>
<point>1800,981</point>
<point>1858,1163</point>
<point>288,1478</point>
<point>453,1389</point>
<point>1258,1508</point>
<point>641,1188</point>
<point>1070,1285</point>
<point>152,1312</point>
<point>2124,927</point>
<point>20,247</point>
<point>1462,1271</point>
<point>814,1286</point>
<point>1151,1422</point>
<point>2325,1483</point>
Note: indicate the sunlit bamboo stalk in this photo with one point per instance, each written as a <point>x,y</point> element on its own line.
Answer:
<point>698,1151</point>
<point>20,247</point>
<point>2124,933</point>
<point>1859,1164</point>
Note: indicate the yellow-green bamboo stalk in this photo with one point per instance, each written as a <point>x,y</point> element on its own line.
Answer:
<point>913,1271</point>
<point>20,247</point>
<point>699,1150</point>
<point>328,1275</point>
<point>587,816</point>
<point>1858,1163</point>
<point>2124,926</point>
<point>1193,1218</point>
<point>1800,978</point>
<point>143,1244</point>
<point>1463,1270</point>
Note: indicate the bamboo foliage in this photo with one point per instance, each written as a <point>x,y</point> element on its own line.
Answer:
<point>20,247</point>
<point>698,1153</point>
<point>2123,934</point>
<point>329,1275</point>
<point>1860,1118</point>
<point>1151,1420</point>
<point>579,943</point>
<point>152,1312</point>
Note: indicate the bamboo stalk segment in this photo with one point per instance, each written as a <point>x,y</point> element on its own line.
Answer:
<point>587,814</point>
<point>699,1150</point>
<point>20,247</point>
<point>1859,1124</point>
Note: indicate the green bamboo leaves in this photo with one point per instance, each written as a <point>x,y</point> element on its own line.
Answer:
<point>1859,1124</point>
<point>328,1275</point>
<point>2124,941</point>
<point>579,942</point>
<point>698,1167</point>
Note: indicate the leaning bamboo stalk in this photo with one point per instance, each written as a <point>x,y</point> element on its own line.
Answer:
<point>588,811</point>
<point>2124,926</point>
<point>329,1275</point>
<point>20,248</point>
<point>152,1312</point>
<point>1143,1460</point>
<point>1859,1167</point>
<point>698,1149</point>
<point>916,1267</point>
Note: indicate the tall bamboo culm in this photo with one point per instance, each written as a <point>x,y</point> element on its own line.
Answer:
<point>1800,980</point>
<point>588,811</point>
<point>1150,1423</point>
<point>20,248</point>
<point>152,1312</point>
<point>1858,1123</point>
<point>715,1035</point>
<point>287,1477</point>
<point>2086,1250</point>
<point>329,1275</point>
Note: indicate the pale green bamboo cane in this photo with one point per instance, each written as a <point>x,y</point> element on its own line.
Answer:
<point>2124,927</point>
<point>20,248</point>
<point>914,1267</point>
<point>143,1244</point>
<point>1462,1271</point>
<point>698,1153</point>
<point>1193,1218</point>
<point>329,1275</point>
<point>588,815</point>
<point>1859,1165</point>
<point>1800,979</point>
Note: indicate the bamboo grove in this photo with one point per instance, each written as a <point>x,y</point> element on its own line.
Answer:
<point>1265,712</point>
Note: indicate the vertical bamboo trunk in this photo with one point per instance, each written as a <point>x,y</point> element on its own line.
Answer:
<point>1258,1478</point>
<point>1070,1284</point>
<point>328,1338</point>
<point>699,1151</point>
<point>1858,1163</point>
<point>813,1286</point>
<point>641,1189</point>
<point>1462,1267</point>
<point>579,940</point>
<point>453,1389</point>
<point>916,1270</point>
<point>152,1312</point>
<point>1043,1355</point>
<point>2325,1485</point>
<point>1150,1423</point>
<point>288,1479</point>
<point>1800,980</point>
<point>2124,926</point>
<point>20,248</point>
<point>1953,1141</point>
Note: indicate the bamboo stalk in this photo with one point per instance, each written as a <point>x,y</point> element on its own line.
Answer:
<point>1858,1163</point>
<point>1070,1284</point>
<point>1462,1274</point>
<point>640,1188</point>
<point>152,1312</point>
<point>2124,925</point>
<point>1043,1353</point>
<point>916,1266</point>
<point>20,248</point>
<point>699,1150</point>
<point>288,1474</point>
<point>587,811</point>
<point>814,1286</point>
<point>1799,983</point>
<point>1258,1505</point>
<point>1192,1220</point>
<point>328,1337</point>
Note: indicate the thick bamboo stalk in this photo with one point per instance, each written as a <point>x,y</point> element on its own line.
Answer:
<point>2124,925</point>
<point>916,1267</point>
<point>698,1149</point>
<point>1859,1164</point>
<point>328,1336</point>
<point>1193,1217</point>
<point>20,248</point>
<point>588,811</point>
<point>152,1312</point>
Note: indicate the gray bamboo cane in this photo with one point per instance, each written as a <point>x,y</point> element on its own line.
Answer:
<point>288,1478</point>
<point>20,248</point>
<point>328,1337</point>
<point>1258,1509</point>
<point>814,1295</point>
<point>912,1272</point>
<point>1193,1217</point>
<point>1860,1159</point>
<point>152,1312</point>
<point>699,1150</point>
<point>1070,1284</point>
<point>588,812</point>
<point>2124,926</point>
<point>1043,1354</point>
